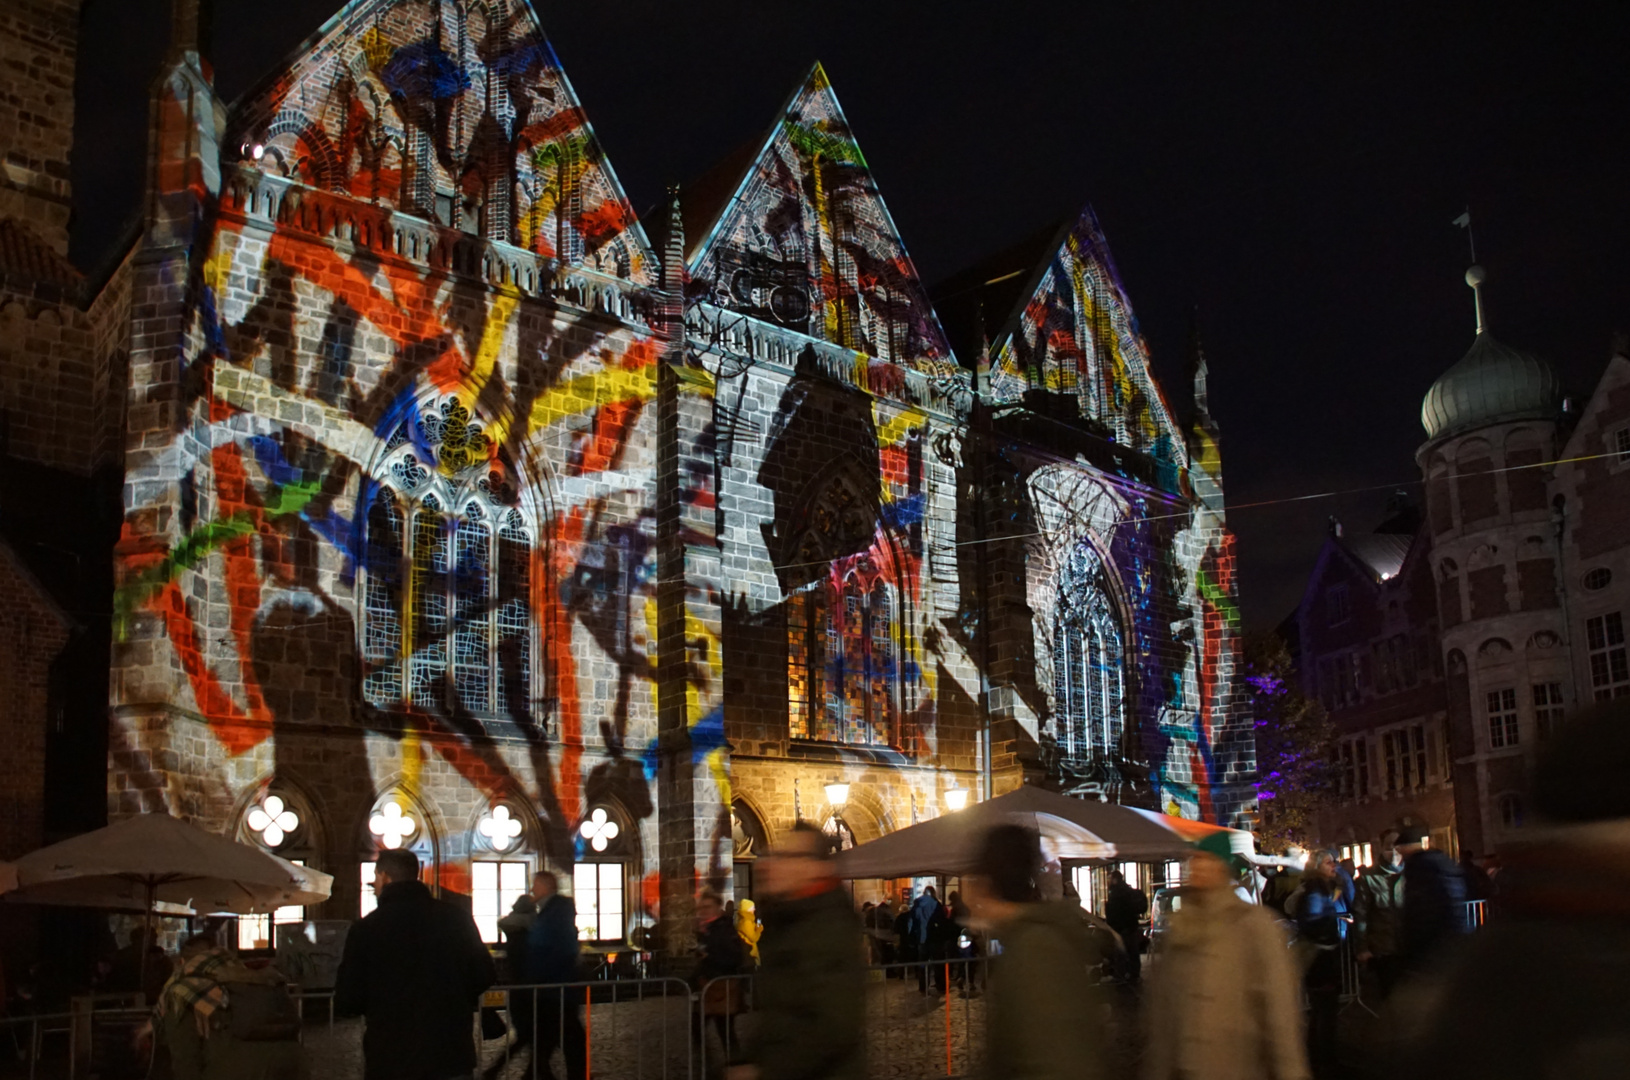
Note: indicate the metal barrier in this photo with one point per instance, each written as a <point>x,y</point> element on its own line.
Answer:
<point>645,1028</point>
<point>1476,913</point>
<point>79,1027</point>
<point>316,995</point>
<point>922,1019</point>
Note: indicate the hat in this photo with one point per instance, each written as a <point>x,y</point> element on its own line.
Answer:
<point>1221,844</point>
<point>1412,834</point>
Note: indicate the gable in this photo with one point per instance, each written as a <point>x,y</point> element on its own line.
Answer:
<point>806,243</point>
<point>452,110</point>
<point>1074,335</point>
<point>1607,411</point>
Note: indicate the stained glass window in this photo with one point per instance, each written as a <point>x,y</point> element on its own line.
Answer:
<point>1088,680</point>
<point>446,584</point>
<point>843,675</point>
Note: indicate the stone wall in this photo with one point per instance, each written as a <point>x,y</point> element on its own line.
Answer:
<point>38,39</point>
<point>32,631</point>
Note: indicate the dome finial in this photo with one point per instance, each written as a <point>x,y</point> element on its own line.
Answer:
<point>1474,278</point>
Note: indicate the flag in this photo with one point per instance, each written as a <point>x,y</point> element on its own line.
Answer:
<point>1464,220</point>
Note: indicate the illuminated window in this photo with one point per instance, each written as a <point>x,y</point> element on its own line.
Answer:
<point>1502,718</point>
<point>446,590</point>
<point>260,931</point>
<point>494,887</point>
<point>843,670</point>
<point>1547,708</point>
<point>597,890</point>
<point>369,900</point>
<point>1088,685</point>
<point>1609,671</point>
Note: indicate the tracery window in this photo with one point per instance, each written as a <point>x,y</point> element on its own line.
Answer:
<point>1088,679</point>
<point>446,594</point>
<point>843,669</point>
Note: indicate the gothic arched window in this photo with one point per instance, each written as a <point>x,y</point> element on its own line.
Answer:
<point>1089,690</point>
<point>843,666</point>
<point>446,591</point>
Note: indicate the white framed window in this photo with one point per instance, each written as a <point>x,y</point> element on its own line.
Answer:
<point>598,891</point>
<point>446,574</point>
<point>368,901</point>
<point>1088,680</point>
<point>260,931</point>
<point>1502,718</point>
<point>1609,668</point>
<point>1547,708</point>
<point>495,885</point>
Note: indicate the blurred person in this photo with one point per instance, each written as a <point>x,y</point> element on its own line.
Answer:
<point>415,968</point>
<point>1124,910</point>
<point>1042,1020</point>
<point>866,932</point>
<point>1544,990</point>
<point>1321,927</point>
<point>1378,911</point>
<point>1223,1003</point>
<point>927,936</point>
<point>882,929</point>
<point>127,973</point>
<point>516,928</point>
<point>552,955</point>
<point>1475,877</point>
<point>810,994</point>
<point>722,954</point>
<point>1282,885</point>
<point>1434,898</point>
<point>221,1020</point>
<point>749,929</point>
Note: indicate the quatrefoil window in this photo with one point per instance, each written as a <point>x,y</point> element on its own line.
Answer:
<point>392,826</point>
<point>272,821</point>
<point>500,829</point>
<point>599,830</point>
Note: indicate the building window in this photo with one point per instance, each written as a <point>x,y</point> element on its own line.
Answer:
<point>260,931</point>
<point>1598,579</point>
<point>1363,754</point>
<point>1621,443</point>
<point>494,887</point>
<point>1338,604</point>
<point>1609,672</point>
<point>446,591</point>
<point>1502,714</point>
<point>597,890</point>
<point>1547,708</point>
<point>843,667</point>
<point>1349,771</point>
<point>1088,683</point>
<point>1390,752</point>
<point>1362,855</point>
<point>369,900</point>
<point>1511,812</point>
<point>1418,732</point>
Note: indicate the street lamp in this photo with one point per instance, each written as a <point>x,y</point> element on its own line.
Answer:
<point>956,798</point>
<point>837,794</point>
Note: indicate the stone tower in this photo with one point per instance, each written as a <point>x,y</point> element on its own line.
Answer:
<point>37,43</point>
<point>1492,422</point>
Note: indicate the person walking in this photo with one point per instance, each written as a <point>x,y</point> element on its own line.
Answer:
<point>1434,899</point>
<point>415,969</point>
<point>882,929</point>
<point>1223,1004</point>
<point>810,994</point>
<point>551,957</point>
<point>1321,928</point>
<point>721,954</point>
<point>1042,1019</point>
<point>1124,910</point>
<point>928,919</point>
<point>1378,911</point>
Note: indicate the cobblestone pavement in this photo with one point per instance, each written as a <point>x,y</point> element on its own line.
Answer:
<point>635,1040</point>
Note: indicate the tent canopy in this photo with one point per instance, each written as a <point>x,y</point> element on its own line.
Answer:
<point>1072,829</point>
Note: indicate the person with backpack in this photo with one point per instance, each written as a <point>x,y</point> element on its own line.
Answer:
<point>416,969</point>
<point>927,928</point>
<point>1321,913</point>
<point>221,1020</point>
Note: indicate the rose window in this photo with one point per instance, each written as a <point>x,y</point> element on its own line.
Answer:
<point>272,822</point>
<point>599,830</point>
<point>392,826</point>
<point>500,829</point>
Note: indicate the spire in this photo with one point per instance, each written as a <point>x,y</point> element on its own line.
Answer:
<point>1199,371</point>
<point>1203,435</point>
<point>673,249</point>
<point>1475,277</point>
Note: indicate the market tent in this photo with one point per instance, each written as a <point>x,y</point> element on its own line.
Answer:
<point>1072,828</point>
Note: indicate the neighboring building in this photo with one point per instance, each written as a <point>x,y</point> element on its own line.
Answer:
<point>1367,637</point>
<point>466,512</point>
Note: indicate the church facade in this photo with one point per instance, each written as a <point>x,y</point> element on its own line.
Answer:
<point>467,511</point>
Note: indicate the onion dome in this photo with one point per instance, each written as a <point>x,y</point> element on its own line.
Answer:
<point>1491,384</point>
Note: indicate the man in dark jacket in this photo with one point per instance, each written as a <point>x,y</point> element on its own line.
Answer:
<point>552,951</point>
<point>1378,913</point>
<point>1123,911</point>
<point>1434,898</point>
<point>810,995</point>
<point>928,922</point>
<point>415,968</point>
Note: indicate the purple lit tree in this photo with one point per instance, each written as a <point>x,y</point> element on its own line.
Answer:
<point>1295,747</point>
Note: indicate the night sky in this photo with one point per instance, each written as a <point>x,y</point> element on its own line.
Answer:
<point>1291,173</point>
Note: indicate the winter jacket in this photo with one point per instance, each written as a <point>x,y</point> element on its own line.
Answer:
<point>748,928</point>
<point>1434,905</point>
<point>810,994</point>
<point>926,915</point>
<point>1319,913</point>
<point>1378,911</point>
<point>415,968</point>
<point>1125,906</point>
<point>1045,1018</point>
<point>1224,1003</point>
<point>551,944</point>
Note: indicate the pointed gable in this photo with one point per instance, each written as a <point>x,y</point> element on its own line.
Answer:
<point>806,243</point>
<point>1073,334</point>
<point>453,110</point>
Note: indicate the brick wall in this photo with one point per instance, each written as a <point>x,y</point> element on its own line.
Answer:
<point>38,39</point>
<point>32,631</point>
